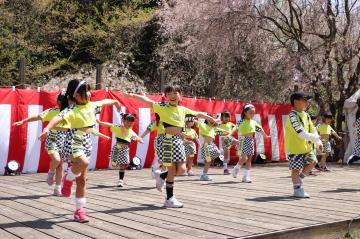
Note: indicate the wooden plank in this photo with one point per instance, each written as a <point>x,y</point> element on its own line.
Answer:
<point>6,235</point>
<point>218,209</point>
<point>19,229</point>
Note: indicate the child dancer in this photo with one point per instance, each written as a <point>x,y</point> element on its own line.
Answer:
<point>78,147</point>
<point>326,131</point>
<point>190,147</point>
<point>120,151</point>
<point>355,156</point>
<point>300,135</point>
<point>53,145</point>
<point>157,126</point>
<point>171,144</point>
<point>209,150</point>
<point>228,141</point>
<point>246,130</point>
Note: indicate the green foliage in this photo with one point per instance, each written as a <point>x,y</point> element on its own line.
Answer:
<point>62,34</point>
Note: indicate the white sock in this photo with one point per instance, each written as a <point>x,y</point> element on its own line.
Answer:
<point>225,165</point>
<point>246,172</point>
<point>71,176</point>
<point>237,166</point>
<point>80,203</point>
<point>58,187</point>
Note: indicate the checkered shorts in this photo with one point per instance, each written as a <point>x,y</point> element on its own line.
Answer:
<point>209,152</point>
<point>299,161</point>
<point>226,142</point>
<point>190,149</point>
<point>327,147</point>
<point>171,150</point>
<point>55,141</point>
<point>357,147</point>
<point>76,144</point>
<point>156,146</point>
<point>246,146</point>
<point>120,154</point>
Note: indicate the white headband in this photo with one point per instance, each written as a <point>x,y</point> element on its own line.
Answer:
<point>247,106</point>
<point>77,88</point>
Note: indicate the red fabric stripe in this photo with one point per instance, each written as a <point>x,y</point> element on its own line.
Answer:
<point>17,144</point>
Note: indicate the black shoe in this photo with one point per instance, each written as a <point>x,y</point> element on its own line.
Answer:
<point>353,159</point>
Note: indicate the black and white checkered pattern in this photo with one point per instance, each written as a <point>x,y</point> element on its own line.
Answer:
<point>190,149</point>
<point>55,141</point>
<point>156,146</point>
<point>120,154</point>
<point>226,142</point>
<point>209,152</point>
<point>246,146</point>
<point>76,143</point>
<point>299,161</point>
<point>357,147</point>
<point>178,149</point>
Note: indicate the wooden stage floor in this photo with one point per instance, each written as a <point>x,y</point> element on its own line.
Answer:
<point>223,208</point>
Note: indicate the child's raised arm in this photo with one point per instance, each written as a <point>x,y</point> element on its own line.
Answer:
<point>55,121</point>
<point>141,98</point>
<point>105,102</point>
<point>107,124</point>
<point>30,119</point>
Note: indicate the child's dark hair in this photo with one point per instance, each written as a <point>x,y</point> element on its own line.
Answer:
<point>129,117</point>
<point>60,97</point>
<point>190,118</point>
<point>358,110</point>
<point>74,86</point>
<point>327,115</point>
<point>172,88</point>
<point>157,119</point>
<point>225,114</point>
<point>246,107</point>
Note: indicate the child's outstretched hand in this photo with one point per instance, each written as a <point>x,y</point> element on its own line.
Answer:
<point>321,148</point>
<point>117,105</point>
<point>43,134</point>
<point>18,123</point>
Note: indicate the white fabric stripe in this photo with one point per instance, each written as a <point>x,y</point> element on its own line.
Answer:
<point>260,147</point>
<point>238,118</point>
<point>5,121</point>
<point>144,121</point>
<point>95,145</point>
<point>274,138</point>
<point>33,144</point>
<point>116,121</point>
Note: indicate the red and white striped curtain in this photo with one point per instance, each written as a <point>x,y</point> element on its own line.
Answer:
<point>21,143</point>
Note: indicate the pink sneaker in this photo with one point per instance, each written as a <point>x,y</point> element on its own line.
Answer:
<point>80,216</point>
<point>66,187</point>
<point>50,178</point>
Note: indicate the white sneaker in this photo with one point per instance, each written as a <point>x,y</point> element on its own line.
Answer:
<point>190,173</point>
<point>235,172</point>
<point>246,179</point>
<point>205,177</point>
<point>160,183</point>
<point>121,183</point>
<point>300,193</point>
<point>185,174</point>
<point>57,192</point>
<point>173,203</point>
